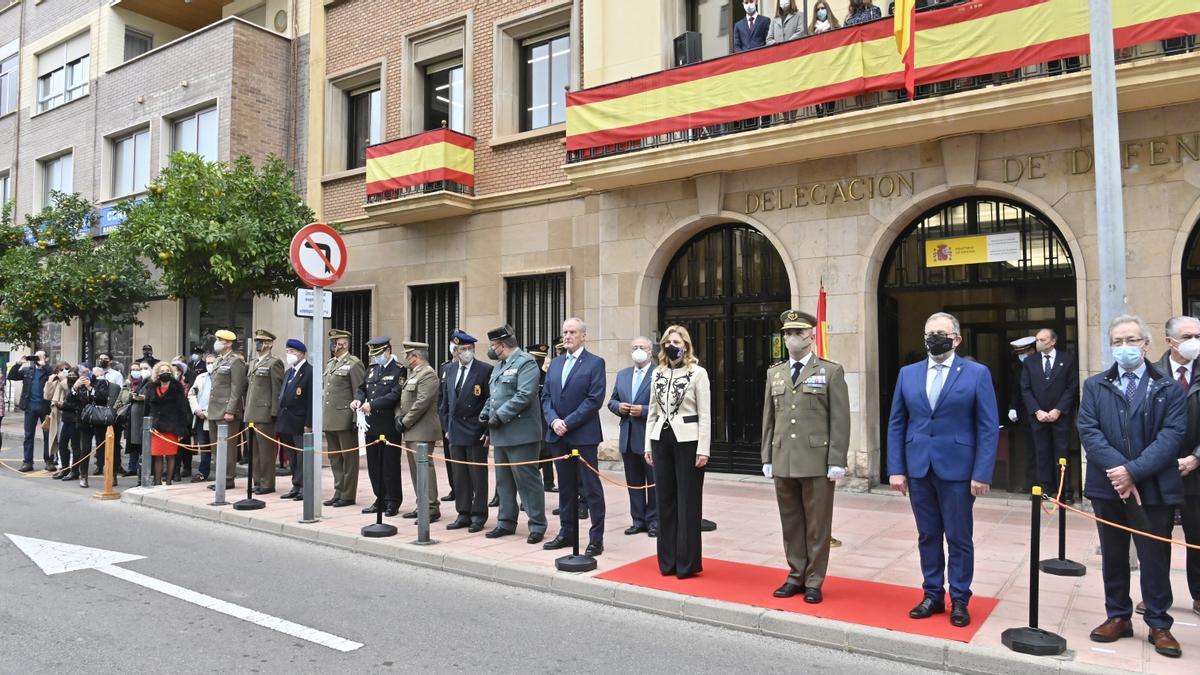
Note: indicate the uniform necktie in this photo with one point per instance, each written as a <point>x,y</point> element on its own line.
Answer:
<point>1183,380</point>
<point>1047,367</point>
<point>796,372</point>
<point>1130,386</point>
<point>637,381</point>
<point>462,375</point>
<point>567,368</point>
<point>939,378</point>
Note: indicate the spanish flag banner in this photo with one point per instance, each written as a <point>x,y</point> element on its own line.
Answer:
<point>822,336</point>
<point>976,38</point>
<point>429,157</point>
<point>904,13</point>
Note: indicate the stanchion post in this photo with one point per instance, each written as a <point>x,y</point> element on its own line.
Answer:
<point>380,528</point>
<point>575,562</point>
<point>147,461</point>
<point>108,492</point>
<point>423,494</point>
<point>249,503</point>
<point>219,468</point>
<point>308,467</point>
<point>1061,566</point>
<point>1031,639</point>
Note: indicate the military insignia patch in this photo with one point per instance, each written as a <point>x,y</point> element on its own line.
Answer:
<point>478,390</point>
<point>299,392</point>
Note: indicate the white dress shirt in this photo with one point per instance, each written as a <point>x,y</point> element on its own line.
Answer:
<point>932,373</point>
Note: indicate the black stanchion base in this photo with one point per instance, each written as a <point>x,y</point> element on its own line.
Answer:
<point>575,563</point>
<point>1033,641</point>
<point>249,505</point>
<point>379,530</point>
<point>1061,567</point>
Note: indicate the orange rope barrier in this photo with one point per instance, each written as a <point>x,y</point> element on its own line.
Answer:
<point>323,452</point>
<point>492,464</point>
<point>43,474</point>
<point>614,482</point>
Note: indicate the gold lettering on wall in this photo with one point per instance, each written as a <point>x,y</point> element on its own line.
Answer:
<point>1159,151</point>
<point>857,188</point>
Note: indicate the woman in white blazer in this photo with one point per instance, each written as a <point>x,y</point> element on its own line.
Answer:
<point>677,445</point>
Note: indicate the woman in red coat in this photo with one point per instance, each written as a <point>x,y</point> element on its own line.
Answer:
<point>170,414</point>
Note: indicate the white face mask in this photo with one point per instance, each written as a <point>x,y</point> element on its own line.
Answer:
<point>640,356</point>
<point>291,360</point>
<point>210,366</point>
<point>465,356</point>
<point>796,342</point>
<point>145,372</point>
<point>218,346</point>
<point>1189,349</point>
<point>750,8</point>
<point>785,5</point>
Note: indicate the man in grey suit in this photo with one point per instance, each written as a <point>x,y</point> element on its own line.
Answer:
<point>630,401</point>
<point>512,415</point>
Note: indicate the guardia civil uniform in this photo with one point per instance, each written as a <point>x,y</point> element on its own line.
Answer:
<point>805,433</point>
<point>227,397</point>
<point>343,375</point>
<point>262,407</point>
<point>381,390</point>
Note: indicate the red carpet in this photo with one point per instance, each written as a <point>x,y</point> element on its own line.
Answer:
<point>867,603</point>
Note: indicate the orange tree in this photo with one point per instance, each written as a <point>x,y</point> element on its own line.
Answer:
<point>218,232</point>
<point>52,269</point>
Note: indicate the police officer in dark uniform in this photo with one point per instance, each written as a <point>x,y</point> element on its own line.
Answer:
<point>377,397</point>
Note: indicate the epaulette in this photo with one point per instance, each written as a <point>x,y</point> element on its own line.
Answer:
<point>777,363</point>
<point>829,361</point>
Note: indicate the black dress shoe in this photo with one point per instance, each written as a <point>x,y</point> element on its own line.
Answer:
<point>329,502</point>
<point>290,494</point>
<point>634,529</point>
<point>495,502</point>
<point>499,532</point>
<point>594,549</point>
<point>298,498</point>
<point>343,502</point>
<point>959,616</point>
<point>927,608</point>
<point>652,532</point>
<point>787,590</point>
<point>458,524</point>
<point>813,595</point>
<point>449,497</point>
<point>707,525</point>
<point>534,538</point>
<point>264,491</point>
<point>410,514</point>
<point>556,543</point>
<point>475,527</point>
<point>435,516</point>
<point>374,508</point>
<point>392,512</point>
<point>582,513</point>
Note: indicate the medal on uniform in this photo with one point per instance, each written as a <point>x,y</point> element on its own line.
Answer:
<point>478,390</point>
<point>298,392</point>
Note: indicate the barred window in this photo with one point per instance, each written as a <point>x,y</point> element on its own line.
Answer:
<point>433,315</point>
<point>537,306</point>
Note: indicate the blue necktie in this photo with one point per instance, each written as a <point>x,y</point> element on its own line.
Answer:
<point>939,379</point>
<point>567,368</point>
<point>1131,381</point>
<point>637,382</point>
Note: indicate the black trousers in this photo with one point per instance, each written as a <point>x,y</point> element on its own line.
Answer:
<point>88,439</point>
<point>68,438</point>
<point>471,493</point>
<point>680,488</point>
<point>1191,533</point>
<point>547,467</point>
<point>571,484</point>
<point>1154,557</point>
<point>1049,445</point>
<point>383,468</point>
<point>296,460</point>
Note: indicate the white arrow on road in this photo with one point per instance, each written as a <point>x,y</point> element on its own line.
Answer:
<point>56,558</point>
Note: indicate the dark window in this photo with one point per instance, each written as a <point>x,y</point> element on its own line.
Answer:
<point>433,315</point>
<point>137,43</point>
<point>545,74</point>
<point>101,338</point>
<point>364,114</point>
<point>444,98</point>
<point>199,325</point>
<point>1191,273</point>
<point>352,312</point>
<point>50,341</point>
<point>712,19</point>
<point>536,307</point>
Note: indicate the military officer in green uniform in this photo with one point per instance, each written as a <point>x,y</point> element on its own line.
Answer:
<point>343,375</point>
<point>417,419</point>
<point>262,407</point>
<point>805,437</point>
<point>226,400</point>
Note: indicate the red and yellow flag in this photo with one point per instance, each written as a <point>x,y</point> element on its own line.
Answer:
<point>903,21</point>
<point>822,337</point>
<point>429,157</point>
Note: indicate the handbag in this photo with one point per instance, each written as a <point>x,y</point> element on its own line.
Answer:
<point>99,415</point>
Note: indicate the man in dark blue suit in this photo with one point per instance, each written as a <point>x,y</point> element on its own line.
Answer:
<point>464,391</point>
<point>752,32</point>
<point>1050,391</point>
<point>630,401</point>
<point>571,401</point>
<point>1132,422</point>
<point>941,451</point>
<point>295,411</point>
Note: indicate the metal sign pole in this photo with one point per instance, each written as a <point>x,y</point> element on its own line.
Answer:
<point>318,395</point>
<point>310,498</point>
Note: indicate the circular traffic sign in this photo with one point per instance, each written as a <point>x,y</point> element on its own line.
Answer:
<point>318,254</point>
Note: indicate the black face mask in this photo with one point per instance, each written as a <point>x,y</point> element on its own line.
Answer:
<point>937,345</point>
<point>165,377</point>
<point>673,352</point>
<point>103,363</point>
<point>147,353</point>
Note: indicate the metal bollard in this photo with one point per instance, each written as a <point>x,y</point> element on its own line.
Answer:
<point>379,528</point>
<point>574,562</point>
<point>250,503</point>
<point>423,494</point>
<point>309,463</point>
<point>219,460</point>
<point>108,492</point>
<point>146,460</point>
<point>1031,639</point>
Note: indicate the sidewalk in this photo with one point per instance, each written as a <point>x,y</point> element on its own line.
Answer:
<point>879,544</point>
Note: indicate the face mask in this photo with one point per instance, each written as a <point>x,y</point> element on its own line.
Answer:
<point>103,363</point>
<point>492,355</point>
<point>640,356</point>
<point>822,14</point>
<point>466,356</point>
<point>135,374</point>
<point>195,357</point>
<point>750,8</point>
<point>796,343</point>
<point>291,359</point>
<point>1127,355</point>
<point>147,352</point>
<point>218,346</point>
<point>1022,357</point>
<point>210,367</point>
<point>784,5</point>
<point>64,372</point>
<point>1189,349</point>
<point>1043,347</point>
<point>673,352</point>
<point>145,372</point>
<point>937,345</point>
<point>165,377</point>
<point>381,359</point>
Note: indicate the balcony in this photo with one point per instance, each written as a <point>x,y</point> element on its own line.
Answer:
<point>188,15</point>
<point>842,92</point>
<point>427,176</point>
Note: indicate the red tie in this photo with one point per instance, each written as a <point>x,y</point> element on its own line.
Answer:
<point>1183,381</point>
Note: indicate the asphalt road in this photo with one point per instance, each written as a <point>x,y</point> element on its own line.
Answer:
<point>409,619</point>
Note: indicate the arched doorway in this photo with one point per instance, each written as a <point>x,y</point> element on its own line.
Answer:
<point>727,285</point>
<point>995,302</point>
<point>1191,273</point>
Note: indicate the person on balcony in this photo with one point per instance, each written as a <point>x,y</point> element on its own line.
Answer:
<point>788,23</point>
<point>861,11</point>
<point>823,19</point>
<point>751,33</point>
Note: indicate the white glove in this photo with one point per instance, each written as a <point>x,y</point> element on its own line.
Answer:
<point>1012,415</point>
<point>836,473</point>
<point>360,419</point>
<point>768,470</point>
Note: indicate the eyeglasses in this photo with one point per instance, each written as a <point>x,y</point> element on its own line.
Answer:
<point>1185,337</point>
<point>1131,342</point>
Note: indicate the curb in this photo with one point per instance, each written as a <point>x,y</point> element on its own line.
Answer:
<point>828,633</point>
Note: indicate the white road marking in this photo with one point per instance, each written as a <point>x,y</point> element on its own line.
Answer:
<point>55,557</point>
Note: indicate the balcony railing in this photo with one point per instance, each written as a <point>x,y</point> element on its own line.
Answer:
<point>959,48</point>
<point>433,161</point>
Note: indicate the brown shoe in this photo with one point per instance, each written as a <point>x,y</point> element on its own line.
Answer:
<point>1164,643</point>
<point>1112,630</point>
